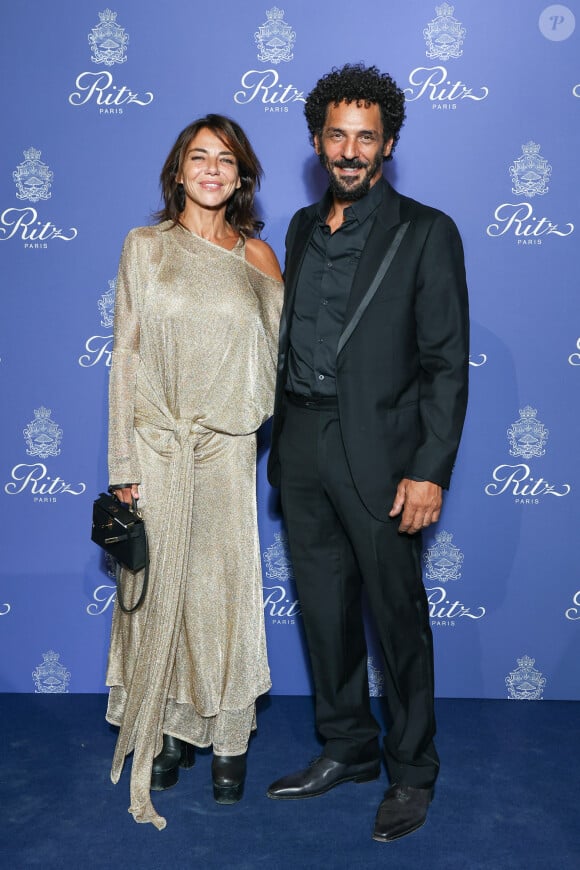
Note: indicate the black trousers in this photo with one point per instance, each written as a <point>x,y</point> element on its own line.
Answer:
<point>336,546</point>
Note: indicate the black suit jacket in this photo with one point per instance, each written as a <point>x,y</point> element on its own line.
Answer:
<point>402,359</point>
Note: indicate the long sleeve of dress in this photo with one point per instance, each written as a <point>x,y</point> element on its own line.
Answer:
<point>269,293</point>
<point>123,461</point>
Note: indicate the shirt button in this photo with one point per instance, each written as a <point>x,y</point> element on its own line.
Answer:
<point>320,377</point>
<point>329,265</point>
<point>324,301</point>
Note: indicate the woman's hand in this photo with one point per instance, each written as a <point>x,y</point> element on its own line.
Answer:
<point>127,493</point>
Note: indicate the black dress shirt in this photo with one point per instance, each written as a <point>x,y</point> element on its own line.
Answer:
<point>322,294</point>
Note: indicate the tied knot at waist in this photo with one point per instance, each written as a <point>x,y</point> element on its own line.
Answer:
<point>183,429</point>
<point>165,434</point>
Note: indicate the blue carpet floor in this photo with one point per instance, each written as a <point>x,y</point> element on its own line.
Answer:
<point>507,798</point>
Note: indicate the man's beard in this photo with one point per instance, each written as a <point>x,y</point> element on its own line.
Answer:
<point>340,189</point>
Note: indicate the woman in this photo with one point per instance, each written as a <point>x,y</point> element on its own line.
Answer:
<point>198,302</point>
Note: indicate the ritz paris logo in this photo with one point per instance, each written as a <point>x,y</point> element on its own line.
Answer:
<point>275,43</point>
<point>281,609</point>
<point>108,42</point>
<point>106,593</point>
<point>530,174</point>
<point>443,561</point>
<point>444,37</point>
<point>33,180</point>
<point>43,438</point>
<point>527,439</point>
<point>99,348</point>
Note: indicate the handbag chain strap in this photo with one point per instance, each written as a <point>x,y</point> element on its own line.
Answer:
<point>141,598</point>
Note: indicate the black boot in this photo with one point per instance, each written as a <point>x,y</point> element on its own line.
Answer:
<point>187,759</point>
<point>175,754</point>
<point>228,775</point>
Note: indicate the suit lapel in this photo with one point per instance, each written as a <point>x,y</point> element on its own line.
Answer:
<point>377,255</point>
<point>295,256</point>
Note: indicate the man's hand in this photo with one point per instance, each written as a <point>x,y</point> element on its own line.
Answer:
<point>420,501</point>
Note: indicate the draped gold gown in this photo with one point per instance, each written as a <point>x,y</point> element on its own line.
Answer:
<point>192,379</point>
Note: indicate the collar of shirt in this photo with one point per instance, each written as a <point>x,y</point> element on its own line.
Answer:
<point>360,209</point>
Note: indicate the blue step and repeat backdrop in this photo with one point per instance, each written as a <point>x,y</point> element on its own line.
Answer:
<point>91,101</point>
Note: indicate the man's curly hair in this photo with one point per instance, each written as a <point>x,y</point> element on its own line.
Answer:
<point>356,83</point>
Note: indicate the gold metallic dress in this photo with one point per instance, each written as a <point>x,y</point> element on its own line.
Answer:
<point>192,379</point>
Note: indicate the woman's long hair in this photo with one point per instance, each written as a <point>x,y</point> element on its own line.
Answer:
<point>240,209</point>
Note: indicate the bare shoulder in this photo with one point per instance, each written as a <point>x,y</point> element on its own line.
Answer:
<point>261,255</point>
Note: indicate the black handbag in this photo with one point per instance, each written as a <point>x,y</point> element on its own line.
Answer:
<point>120,531</point>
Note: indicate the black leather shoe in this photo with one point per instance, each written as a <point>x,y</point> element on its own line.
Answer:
<point>403,810</point>
<point>320,776</point>
<point>228,773</point>
<point>165,770</point>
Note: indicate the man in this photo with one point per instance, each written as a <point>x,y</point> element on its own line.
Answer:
<point>370,402</point>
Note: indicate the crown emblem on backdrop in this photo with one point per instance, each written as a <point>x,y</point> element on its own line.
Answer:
<point>43,435</point>
<point>51,677</point>
<point>530,172</point>
<point>108,40</point>
<point>106,304</point>
<point>443,559</point>
<point>525,683</point>
<point>277,559</point>
<point>444,35</point>
<point>32,177</point>
<point>527,436</point>
<point>275,38</point>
